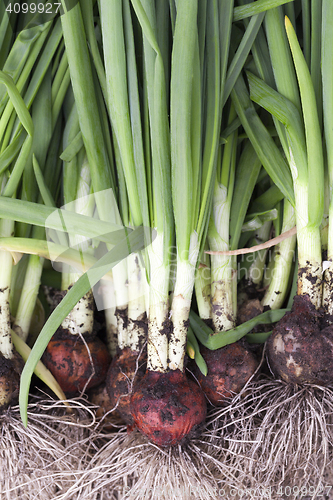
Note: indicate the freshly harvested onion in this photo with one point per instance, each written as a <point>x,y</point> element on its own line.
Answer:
<point>229,368</point>
<point>298,350</point>
<point>168,408</point>
<point>69,361</point>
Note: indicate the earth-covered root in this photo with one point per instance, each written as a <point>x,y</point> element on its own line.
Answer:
<point>45,460</point>
<point>280,437</point>
<point>134,468</point>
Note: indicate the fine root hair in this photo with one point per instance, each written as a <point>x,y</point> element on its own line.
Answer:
<point>45,459</point>
<point>66,455</point>
<point>128,466</point>
<point>271,436</point>
<point>278,436</point>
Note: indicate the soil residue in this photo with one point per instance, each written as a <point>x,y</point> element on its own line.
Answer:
<point>10,370</point>
<point>248,310</point>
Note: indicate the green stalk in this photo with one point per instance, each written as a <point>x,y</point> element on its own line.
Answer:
<point>283,256</point>
<point>312,130</point>
<point>125,114</point>
<point>315,67</point>
<point>306,164</point>
<point>183,57</point>
<point>80,320</point>
<point>86,102</point>
<point>114,52</point>
<point>203,286</point>
<point>223,272</point>
<point>257,268</point>
<point>327,81</point>
<point>162,220</point>
<point>42,117</point>
<point>315,201</point>
<point>7,226</point>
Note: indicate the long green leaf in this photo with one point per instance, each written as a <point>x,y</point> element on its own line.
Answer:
<point>158,122</point>
<point>242,53</point>
<point>17,102</point>
<point>180,118</point>
<point>214,341</point>
<point>286,112</point>
<point>60,220</point>
<point>262,142</point>
<point>253,8</point>
<point>312,130</point>
<point>117,88</point>
<point>86,102</point>
<point>73,148</point>
<point>246,177</point>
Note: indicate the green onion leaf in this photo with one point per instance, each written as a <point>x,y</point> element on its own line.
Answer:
<point>214,341</point>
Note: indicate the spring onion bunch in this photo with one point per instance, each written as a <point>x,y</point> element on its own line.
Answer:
<point>21,135</point>
<point>144,140</point>
<point>306,163</point>
<point>237,175</point>
<point>299,351</point>
<point>170,164</point>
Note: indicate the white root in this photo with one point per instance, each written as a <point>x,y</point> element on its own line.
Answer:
<point>106,290</point>
<point>181,304</point>
<point>81,319</point>
<point>284,253</point>
<point>157,346</point>
<point>137,290</point>
<point>223,275</point>
<point>279,435</point>
<point>46,459</point>
<point>134,468</point>
<point>6,265</point>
